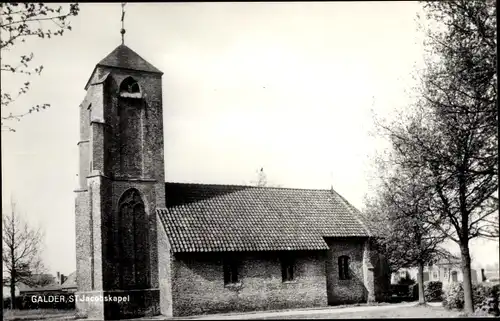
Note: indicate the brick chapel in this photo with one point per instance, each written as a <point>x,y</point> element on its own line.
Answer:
<point>180,249</point>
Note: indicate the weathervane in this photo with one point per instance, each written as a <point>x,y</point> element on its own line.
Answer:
<point>122,31</point>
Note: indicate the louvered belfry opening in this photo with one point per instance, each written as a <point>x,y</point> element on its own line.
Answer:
<point>131,113</point>
<point>133,256</point>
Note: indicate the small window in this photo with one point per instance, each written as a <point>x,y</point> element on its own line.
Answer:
<point>230,272</point>
<point>435,275</point>
<point>89,108</point>
<point>287,269</point>
<point>344,268</point>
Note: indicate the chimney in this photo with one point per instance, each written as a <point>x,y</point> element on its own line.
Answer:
<point>63,278</point>
<point>483,276</point>
<point>58,277</point>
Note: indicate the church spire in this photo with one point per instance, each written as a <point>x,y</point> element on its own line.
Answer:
<point>122,31</point>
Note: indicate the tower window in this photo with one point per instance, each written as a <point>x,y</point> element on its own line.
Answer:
<point>344,268</point>
<point>89,108</point>
<point>130,88</point>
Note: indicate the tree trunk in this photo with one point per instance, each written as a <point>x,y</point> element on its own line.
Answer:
<point>420,280</point>
<point>467,282</point>
<point>12,290</point>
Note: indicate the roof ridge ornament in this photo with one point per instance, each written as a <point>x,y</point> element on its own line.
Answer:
<point>122,31</point>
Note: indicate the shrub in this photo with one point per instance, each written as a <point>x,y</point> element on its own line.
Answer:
<point>485,298</point>
<point>400,290</point>
<point>454,296</point>
<point>433,291</point>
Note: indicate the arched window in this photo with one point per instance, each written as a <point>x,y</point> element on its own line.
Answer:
<point>130,88</point>
<point>344,268</point>
<point>133,241</point>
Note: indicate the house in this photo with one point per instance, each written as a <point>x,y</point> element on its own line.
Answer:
<point>48,283</point>
<point>446,269</point>
<point>41,290</point>
<point>179,249</point>
<point>69,284</point>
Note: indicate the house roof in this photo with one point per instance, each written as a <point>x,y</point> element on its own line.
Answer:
<point>218,218</point>
<point>125,58</point>
<point>70,281</point>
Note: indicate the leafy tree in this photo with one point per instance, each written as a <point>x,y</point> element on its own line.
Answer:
<point>20,22</point>
<point>450,135</point>
<point>21,249</point>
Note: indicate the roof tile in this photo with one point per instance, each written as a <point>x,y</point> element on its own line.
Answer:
<point>214,218</point>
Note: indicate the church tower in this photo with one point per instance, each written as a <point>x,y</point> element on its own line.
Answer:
<point>121,183</point>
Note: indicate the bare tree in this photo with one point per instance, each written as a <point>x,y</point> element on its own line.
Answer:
<point>397,216</point>
<point>18,23</point>
<point>21,249</point>
<point>261,178</point>
<point>450,134</point>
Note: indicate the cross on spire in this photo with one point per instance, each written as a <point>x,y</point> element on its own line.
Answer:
<point>122,31</point>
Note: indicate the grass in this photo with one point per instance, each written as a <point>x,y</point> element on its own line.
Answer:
<point>37,314</point>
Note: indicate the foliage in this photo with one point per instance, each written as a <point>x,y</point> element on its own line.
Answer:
<point>21,249</point>
<point>485,297</point>
<point>400,290</point>
<point>449,137</point>
<point>396,215</point>
<point>406,279</point>
<point>41,279</point>
<point>20,22</point>
<point>413,291</point>
<point>454,296</point>
<point>433,291</point>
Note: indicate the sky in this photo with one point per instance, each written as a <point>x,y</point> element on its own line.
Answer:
<point>288,87</point>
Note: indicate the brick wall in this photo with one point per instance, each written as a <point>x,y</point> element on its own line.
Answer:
<point>198,283</point>
<point>345,291</point>
<point>103,179</point>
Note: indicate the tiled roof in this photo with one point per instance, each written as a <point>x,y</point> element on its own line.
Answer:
<point>124,57</point>
<point>215,218</point>
<point>70,281</point>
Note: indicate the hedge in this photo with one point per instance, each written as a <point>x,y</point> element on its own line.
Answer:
<point>65,301</point>
<point>485,297</point>
<point>433,291</point>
